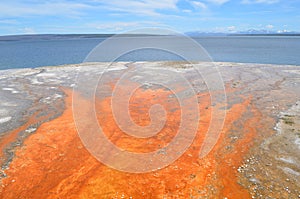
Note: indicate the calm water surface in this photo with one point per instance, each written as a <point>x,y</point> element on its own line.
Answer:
<point>247,49</point>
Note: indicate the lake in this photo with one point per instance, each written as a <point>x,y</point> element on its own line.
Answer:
<point>31,53</point>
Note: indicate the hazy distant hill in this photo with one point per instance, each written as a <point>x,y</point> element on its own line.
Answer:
<point>250,32</point>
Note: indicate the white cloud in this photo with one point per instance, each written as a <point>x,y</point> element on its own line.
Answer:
<point>28,31</point>
<point>67,8</point>
<point>121,26</point>
<point>260,1</point>
<point>231,28</point>
<point>17,9</point>
<point>139,7</point>
<point>187,11</point>
<point>198,4</point>
<point>8,21</point>
<point>219,2</point>
<point>203,5</point>
<point>114,26</point>
<point>269,26</point>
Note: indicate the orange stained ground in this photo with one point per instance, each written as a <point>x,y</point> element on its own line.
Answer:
<point>53,163</point>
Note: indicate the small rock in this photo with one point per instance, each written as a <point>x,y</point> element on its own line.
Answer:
<point>30,130</point>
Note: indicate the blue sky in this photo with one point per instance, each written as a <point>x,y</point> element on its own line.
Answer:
<point>116,16</point>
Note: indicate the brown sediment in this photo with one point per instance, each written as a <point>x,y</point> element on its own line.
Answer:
<point>53,163</point>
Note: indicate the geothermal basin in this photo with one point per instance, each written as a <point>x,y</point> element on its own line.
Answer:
<point>240,137</point>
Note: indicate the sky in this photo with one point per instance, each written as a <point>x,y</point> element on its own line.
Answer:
<point>119,16</point>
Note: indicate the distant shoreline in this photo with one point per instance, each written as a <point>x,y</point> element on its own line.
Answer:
<point>90,36</point>
<point>69,36</point>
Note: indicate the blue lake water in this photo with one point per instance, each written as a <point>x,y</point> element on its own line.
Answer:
<point>246,49</point>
